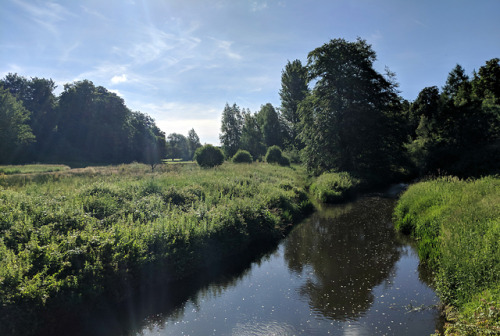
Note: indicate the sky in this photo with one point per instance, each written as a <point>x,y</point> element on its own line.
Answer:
<point>181,61</point>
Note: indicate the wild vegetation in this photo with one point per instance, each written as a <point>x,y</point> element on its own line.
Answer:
<point>69,237</point>
<point>456,224</point>
<point>337,114</point>
<point>334,187</point>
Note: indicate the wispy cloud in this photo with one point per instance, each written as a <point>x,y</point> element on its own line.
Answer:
<point>46,14</point>
<point>224,47</point>
<point>258,5</point>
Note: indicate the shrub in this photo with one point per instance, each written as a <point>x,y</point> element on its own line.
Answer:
<point>242,156</point>
<point>274,155</point>
<point>333,187</point>
<point>209,156</point>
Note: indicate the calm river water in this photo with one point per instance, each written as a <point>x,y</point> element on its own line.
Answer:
<point>343,271</point>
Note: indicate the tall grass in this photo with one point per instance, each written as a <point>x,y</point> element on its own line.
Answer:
<point>30,169</point>
<point>457,227</point>
<point>72,237</point>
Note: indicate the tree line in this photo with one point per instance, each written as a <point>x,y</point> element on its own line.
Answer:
<point>84,124</point>
<point>340,114</point>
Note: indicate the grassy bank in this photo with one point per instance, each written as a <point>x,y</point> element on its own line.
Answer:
<point>334,187</point>
<point>31,169</point>
<point>457,227</point>
<point>71,237</point>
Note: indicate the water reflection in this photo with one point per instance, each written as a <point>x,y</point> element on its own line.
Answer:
<point>350,249</point>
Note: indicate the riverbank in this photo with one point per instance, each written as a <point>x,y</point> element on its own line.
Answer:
<point>70,238</point>
<point>456,225</point>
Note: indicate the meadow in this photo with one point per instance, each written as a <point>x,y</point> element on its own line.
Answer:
<point>456,224</point>
<point>70,236</point>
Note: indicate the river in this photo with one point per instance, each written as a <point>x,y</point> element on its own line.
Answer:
<point>343,271</point>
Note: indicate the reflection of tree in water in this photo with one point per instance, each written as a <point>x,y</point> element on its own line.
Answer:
<point>350,250</point>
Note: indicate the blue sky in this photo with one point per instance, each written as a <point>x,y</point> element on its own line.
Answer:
<point>180,61</point>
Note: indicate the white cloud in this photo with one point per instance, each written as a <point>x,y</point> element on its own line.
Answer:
<point>258,5</point>
<point>119,79</point>
<point>224,47</point>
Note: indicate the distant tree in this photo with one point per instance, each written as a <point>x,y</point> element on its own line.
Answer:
<point>15,132</point>
<point>92,123</point>
<point>293,90</point>
<point>251,136</point>
<point>37,96</point>
<point>193,142</point>
<point>208,156</point>
<point>232,123</point>
<point>179,146</point>
<point>348,121</point>
<point>456,83</point>
<point>269,123</point>
<point>486,83</point>
<point>148,142</point>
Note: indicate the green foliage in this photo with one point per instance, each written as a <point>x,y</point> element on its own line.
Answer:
<point>251,136</point>
<point>242,156</point>
<point>274,155</point>
<point>231,127</point>
<point>270,126</point>
<point>351,121</point>
<point>209,156</point>
<point>457,227</point>
<point>293,90</point>
<point>72,237</point>
<point>334,187</point>
<point>15,132</point>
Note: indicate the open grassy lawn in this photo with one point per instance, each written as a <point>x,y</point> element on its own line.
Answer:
<point>71,236</point>
<point>457,227</point>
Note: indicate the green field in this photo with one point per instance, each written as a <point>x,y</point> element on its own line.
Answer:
<point>31,169</point>
<point>69,237</point>
<point>456,225</point>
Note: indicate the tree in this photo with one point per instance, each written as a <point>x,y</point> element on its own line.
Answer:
<point>37,96</point>
<point>293,90</point>
<point>486,83</point>
<point>349,120</point>
<point>269,123</point>
<point>148,142</point>
<point>232,123</point>
<point>193,142</point>
<point>15,132</point>
<point>251,136</point>
<point>179,146</point>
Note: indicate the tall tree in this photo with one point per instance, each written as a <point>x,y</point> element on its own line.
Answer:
<point>193,142</point>
<point>347,122</point>
<point>293,90</point>
<point>251,136</point>
<point>37,96</point>
<point>178,146</point>
<point>15,132</point>
<point>231,126</point>
<point>269,123</point>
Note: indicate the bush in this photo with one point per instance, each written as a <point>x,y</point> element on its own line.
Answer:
<point>274,155</point>
<point>209,156</point>
<point>242,156</point>
<point>334,187</point>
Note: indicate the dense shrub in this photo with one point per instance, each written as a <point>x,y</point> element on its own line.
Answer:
<point>274,155</point>
<point>242,156</point>
<point>209,156</point>
<point>334,187</point>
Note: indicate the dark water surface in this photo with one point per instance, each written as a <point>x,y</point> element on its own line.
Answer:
<point>343,271</point>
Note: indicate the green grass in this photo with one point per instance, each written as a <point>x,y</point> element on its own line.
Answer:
<point>457,227</point>
<point>334,187</point>
<point>30,169</point>
<point>72,236</point>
